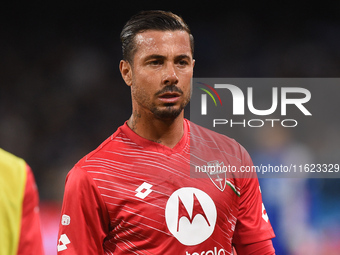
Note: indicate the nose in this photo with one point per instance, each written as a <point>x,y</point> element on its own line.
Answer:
<point>170,76</point>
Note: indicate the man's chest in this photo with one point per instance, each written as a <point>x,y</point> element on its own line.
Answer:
<point>157,204</point>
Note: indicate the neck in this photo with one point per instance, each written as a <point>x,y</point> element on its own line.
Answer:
<point>167,132</point>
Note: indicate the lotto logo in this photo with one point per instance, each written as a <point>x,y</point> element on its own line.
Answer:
<point>63,242</point>
<point>190,215</point>
<point>143,190</point>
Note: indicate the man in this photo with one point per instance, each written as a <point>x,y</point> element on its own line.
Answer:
<point>134,193</point>
<point>19,214</point>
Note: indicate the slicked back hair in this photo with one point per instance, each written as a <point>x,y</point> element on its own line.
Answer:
<point>150,20</point>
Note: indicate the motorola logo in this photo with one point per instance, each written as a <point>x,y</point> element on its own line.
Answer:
<point>190,215</point>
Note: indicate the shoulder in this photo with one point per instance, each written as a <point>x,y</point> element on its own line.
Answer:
<point>97,162</point>
<point>207,133</point>
<point>11,162</point>
<point>115,142</point>
<point>13,172</point>
<point>203,137</point>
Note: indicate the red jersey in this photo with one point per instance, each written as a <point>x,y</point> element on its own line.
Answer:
<point>135,196</point>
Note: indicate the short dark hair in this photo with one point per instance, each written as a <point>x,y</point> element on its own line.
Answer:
<point>150,20</point>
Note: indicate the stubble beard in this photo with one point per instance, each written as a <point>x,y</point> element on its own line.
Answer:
<point>166,112</point>
<point>169,113</point>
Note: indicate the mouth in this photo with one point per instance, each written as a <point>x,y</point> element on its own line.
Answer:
<point>169,97</point>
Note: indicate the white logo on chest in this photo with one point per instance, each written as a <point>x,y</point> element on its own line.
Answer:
<point>143,190</point>
<point>190,215</point>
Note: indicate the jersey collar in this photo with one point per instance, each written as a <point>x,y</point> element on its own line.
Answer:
<point>154,146</point>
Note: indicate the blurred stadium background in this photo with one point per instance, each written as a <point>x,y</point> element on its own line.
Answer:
<point>61,95</point>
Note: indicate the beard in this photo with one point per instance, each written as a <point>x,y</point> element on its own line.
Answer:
<point>169,111</point>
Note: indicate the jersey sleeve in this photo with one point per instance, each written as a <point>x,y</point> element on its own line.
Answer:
<point>84,219</point>
<point>252,223</point>
<point>30,241</point>
<point>260,248</point>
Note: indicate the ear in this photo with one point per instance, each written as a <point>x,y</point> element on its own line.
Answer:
<point>126,71</point>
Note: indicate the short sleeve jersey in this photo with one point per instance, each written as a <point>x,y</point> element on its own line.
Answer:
<point>135,196</point>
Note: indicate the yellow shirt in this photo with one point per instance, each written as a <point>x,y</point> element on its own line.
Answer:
<point>13,176</point>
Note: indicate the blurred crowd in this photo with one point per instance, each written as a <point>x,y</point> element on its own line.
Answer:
<point>61,95</point>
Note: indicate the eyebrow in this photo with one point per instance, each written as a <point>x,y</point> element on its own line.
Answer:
<point>182,56</point>
<point>154,56</point>
<point>157,56</point>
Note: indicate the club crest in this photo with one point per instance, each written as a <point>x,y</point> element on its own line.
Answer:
<point>216,174</point>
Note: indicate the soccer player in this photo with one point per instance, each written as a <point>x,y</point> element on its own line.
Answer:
<point>19,214</point>
<point>134,193</point>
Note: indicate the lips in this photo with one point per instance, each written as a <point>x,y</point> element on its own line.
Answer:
<point>169,97</point>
